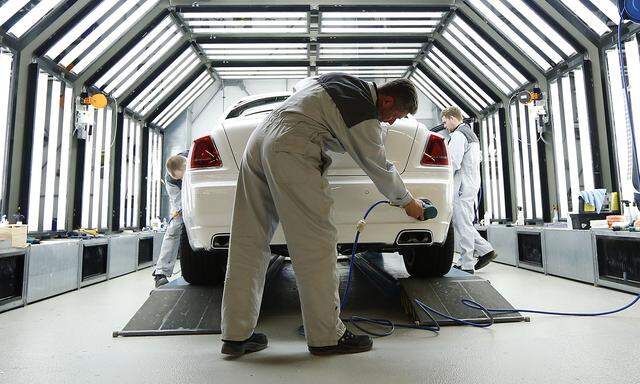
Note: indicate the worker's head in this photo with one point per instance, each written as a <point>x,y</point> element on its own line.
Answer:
<point>451,118</point>
<point>176,166</point>
<point>396,99</point>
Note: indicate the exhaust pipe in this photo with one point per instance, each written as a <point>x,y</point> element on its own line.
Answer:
<point>220,241</point>
<point>414,237</point>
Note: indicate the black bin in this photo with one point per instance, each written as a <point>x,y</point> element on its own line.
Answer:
<point>11,278</point>
<point>530,249</point>
<point>94,261</point>
<point>145,251</point>
<point>619,259</point>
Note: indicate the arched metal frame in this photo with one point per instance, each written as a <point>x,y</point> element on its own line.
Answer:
<point>562,20</point>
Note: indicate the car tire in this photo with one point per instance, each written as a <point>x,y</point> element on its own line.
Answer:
<point>201,267</point>
<point>430,261</point>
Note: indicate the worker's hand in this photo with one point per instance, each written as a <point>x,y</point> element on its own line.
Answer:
<point>414,209</point>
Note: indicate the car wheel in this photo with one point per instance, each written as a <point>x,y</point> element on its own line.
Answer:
<point>201,267</point>
<point>430,261</point>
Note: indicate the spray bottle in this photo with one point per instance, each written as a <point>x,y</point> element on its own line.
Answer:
<point>520,217</point>
<point>555,218</point>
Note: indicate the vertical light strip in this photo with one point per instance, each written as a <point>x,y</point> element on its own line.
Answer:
<point>130,169</point>
<point>621,130</point>
<point>108,127</point>
<point>138,170</point>
<point>65,139</point>
<point>52,156</point>
<point>572,153</point>
<point>585,134</point>
<point>526,164</point>
<point>147,215</point>
<point>501,196</point>
<point>515,146</point>
<point>86,179</point>
<point>486,165</point>
<point>36,159</point>
<point>633,71</point>
<point>159,175</point>
<point>558,148</point>
<point>123,171</point>
<point>5,83</point>
<point>97,160</point>
<point>535,162</point>
<point>492,170</point>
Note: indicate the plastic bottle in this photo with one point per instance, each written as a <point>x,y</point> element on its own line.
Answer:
<point>4,222</point>
<point>520,217</point>
<point>554,218</point>
<point>628,218</point>
<point>487,218</point>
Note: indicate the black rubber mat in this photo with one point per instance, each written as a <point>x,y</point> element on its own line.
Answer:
<point>444,294</point>
<point>179,308</point>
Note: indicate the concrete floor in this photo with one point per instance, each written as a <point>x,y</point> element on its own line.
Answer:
<point>67,339</point>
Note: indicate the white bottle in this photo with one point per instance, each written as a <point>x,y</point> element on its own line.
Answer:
<point>4,222</point>
<point>487,218</point>
<point>555,218</point>
<point>520,217</point>
<point>628,216</point>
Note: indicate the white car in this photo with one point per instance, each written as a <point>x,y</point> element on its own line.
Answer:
<point>419,155</point>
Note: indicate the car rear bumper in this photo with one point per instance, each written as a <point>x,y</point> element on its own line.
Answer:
<point>208,204</point>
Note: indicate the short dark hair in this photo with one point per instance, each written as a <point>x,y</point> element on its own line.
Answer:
<point>403,92</point>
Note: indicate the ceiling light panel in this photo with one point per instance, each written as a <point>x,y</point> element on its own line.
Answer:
<point>246,22</point>
<point>184,99</point>
<point>241,73</point>
<point>331,51</point>
<point>97,31</point>
<point>256,51</point>
<point>25,15</point>
<point>518,23</point>
<point>372,22</point>
<point>596,14</point>
<point>167,81</point>
<point>427,86</point>
<point>140,58</point>
<point>485,58</point>
<point>367,72</point>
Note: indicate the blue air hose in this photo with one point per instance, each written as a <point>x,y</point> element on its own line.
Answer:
<point>430,312</point>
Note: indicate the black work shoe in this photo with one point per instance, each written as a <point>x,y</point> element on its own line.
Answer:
<point>348,343</point>
<point>469,271</point>
<point>257,342</point>
<point>160,280</point>
<point>485,259</point>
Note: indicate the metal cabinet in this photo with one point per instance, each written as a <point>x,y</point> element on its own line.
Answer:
<point>123,254</point>
<point>569,253</point>
<point>504,242</point>
<point>53,269</point>
<point>13,278</point>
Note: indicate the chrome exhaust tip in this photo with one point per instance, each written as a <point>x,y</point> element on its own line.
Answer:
<point>414,237</point>
<point>220,241</point>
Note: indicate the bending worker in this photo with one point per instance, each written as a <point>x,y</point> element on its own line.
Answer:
<point>283,180</point>
<point>464,155</point>
<point>176,166</point>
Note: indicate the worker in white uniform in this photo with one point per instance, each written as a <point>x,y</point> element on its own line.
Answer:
<point>283,180</point>
<point>465,157</point>
<point>176,166</point>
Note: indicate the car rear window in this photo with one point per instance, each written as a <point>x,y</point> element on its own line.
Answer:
<point>257,106</point>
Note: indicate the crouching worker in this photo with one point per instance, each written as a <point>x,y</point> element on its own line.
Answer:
<point>283,180</point>
<point>464,152</point>
<point>176,166</point>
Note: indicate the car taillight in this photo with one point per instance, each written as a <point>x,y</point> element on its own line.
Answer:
<point>204,154</point>
<point>435,152</point>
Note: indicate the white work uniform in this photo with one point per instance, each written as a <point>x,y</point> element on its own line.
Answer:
<point>465,158</point>
<point>283,180</point>
<point>171,240</point>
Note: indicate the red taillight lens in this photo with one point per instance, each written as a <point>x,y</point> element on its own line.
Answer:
<point>435,152</point>
<point>204,154</point>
